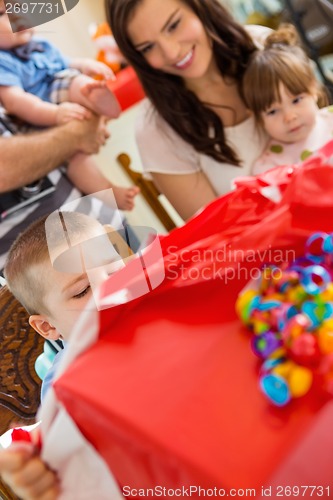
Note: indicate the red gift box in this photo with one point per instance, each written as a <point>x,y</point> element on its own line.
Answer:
<point>126,88</point>
<point>173,404</point>
<point>169,394</point>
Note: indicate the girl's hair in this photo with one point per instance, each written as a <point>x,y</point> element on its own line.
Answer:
<point>281,61</point>
<point>180,107</point>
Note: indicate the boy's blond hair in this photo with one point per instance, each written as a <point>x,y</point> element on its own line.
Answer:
<point>31,249</point>
<point>281,61</point>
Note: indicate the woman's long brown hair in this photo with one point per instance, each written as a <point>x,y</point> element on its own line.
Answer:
<point>180,107</point>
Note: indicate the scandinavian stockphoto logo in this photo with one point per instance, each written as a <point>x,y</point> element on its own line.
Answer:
<point>25,14</point>
<point>103,253</point>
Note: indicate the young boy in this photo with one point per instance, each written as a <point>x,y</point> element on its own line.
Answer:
<point>35,273</point>
<point>43,88</point>
<point>47,268</point>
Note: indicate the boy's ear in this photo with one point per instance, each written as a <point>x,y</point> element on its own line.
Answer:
<point>42,326</point>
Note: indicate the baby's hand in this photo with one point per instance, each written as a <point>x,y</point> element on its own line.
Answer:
<point>95,68</point>
<point>68,111</point>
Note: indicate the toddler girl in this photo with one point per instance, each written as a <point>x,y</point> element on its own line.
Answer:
<point>282,91</point>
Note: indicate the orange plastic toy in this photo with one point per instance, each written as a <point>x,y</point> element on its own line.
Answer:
<point>108,51</point>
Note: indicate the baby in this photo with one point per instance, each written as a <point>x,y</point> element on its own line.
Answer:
<point>282,91</point>
<point>43,88</point>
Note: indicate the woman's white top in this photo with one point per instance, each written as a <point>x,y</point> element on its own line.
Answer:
<point>163,151</point>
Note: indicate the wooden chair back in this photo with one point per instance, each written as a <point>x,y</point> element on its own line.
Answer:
<point>148,191</point>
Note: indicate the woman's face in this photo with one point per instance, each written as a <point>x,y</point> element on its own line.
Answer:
<point>171,38</point>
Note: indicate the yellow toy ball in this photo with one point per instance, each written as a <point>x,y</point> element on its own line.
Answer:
<point>300,381</point>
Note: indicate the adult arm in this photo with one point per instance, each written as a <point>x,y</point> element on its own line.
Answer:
<point>27,158</point>
<point>187,193</point>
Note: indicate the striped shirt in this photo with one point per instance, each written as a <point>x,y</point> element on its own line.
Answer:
<point>64,193</point>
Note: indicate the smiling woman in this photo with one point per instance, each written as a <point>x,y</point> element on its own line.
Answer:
<point>195,134</point>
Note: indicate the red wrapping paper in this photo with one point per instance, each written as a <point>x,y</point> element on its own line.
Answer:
<point>169,394</point>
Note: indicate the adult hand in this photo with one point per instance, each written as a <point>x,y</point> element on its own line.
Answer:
<point>89,134</point>
<point>26,474</point>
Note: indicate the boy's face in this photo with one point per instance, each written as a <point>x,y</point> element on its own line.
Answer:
<point>8,39</point>
<point>291,120</point>
<point>66,295</point>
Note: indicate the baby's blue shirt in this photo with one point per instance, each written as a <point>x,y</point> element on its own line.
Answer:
<point>34,75</point>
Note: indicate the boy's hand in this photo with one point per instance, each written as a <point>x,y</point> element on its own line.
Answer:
<point>95,68</point>
<point>26,474</point>
<point>68,111</point>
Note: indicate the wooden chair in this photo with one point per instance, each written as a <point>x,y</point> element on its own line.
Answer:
<point>148,191</point>
<point>19,383</point>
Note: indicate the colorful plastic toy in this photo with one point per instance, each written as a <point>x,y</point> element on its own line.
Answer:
<point>290,313</point>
